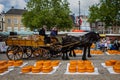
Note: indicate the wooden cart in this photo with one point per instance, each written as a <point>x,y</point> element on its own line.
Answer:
<point>24,48</point>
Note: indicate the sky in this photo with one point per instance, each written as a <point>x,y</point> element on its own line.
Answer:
<point>5,5</point>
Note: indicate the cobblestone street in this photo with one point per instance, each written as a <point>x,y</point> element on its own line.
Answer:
<point>59,73</point>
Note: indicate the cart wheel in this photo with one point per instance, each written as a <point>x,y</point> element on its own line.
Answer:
<point>37,52</point>
<point>46,54</point>
<point>27,52</point>
<point>14,52</point>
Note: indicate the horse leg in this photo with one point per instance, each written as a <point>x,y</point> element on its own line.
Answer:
<point>70,54</point>
<point>84,53</point>
<point>74,53</point>
<point>63,56</point>
<point>67,58</point>
<point>89,55</point>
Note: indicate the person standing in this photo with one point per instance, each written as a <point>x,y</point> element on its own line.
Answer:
<point>42,31</point>
<point>54,32</point>
<point>116,44</point>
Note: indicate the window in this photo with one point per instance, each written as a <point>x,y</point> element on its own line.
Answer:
<point>9,21</point>
<point>15,21</point>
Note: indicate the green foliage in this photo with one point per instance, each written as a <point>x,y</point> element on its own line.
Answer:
<point>47,12</point>
<point>107,11</point>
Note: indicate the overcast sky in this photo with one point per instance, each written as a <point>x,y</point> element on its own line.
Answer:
<point>5,5</point>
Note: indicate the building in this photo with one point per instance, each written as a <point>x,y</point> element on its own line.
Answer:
<point>13,20</point>
<point>1,22</point>
<point>100,27</point>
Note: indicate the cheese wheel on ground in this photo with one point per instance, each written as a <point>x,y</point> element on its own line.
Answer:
<point>26,69</point>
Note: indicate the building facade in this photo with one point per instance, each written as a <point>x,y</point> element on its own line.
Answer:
<point>13,20</point>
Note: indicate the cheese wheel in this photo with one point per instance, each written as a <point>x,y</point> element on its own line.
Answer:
<point>73,62</point>
<point>39,63</point>
<point>10,63</point>
<point>116,68</point>
<point>36,69</point>
<point>18,63</point>
<point>113,62</point>
<point>1,69</point>
<point>108,63</point>
<point>72,69</point>
<point>47,63</point>
<point>81,69</point>
<point>90,69</point>
<point>47,69</point>
<point>55,63</point>
<point>3,62</point>
<point>26,69</point>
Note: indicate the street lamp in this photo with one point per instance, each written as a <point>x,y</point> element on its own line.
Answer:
<point>79,14</point>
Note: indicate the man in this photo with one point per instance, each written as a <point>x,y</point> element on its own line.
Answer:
<point>42,31</point>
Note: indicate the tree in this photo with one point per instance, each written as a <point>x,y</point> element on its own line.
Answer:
<point>47,12</point>
<point>107,11</point>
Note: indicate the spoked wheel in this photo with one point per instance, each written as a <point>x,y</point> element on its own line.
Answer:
<point>27,52</point>
<point>37,52</point>
<point>46,54</point>
<point>14,52</point>
<point>42,53</point>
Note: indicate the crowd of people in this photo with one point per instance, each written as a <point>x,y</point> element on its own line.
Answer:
<point>107,44</point>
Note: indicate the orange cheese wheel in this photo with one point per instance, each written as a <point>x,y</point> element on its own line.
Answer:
<point>10,63</point>
<point>72,69</point>
<point>18,63</point>
<point>87,62</point>
<point>81,69</point>
<point>55,63</point>
<point>116,68</point>
<point>3,62</point>
<point>90,68</point>
<point>47,69</point>
<point>26,69</point>
<point>39,63</point>
<point>73,62</point>
<point>36,69</point>
<point>108,63</point>
<point>1,69</point>
<point>47,63</point>
<point>113,62</point>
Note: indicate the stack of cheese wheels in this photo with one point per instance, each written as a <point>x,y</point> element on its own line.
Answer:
<point>47,69</point>
<point>36,69</point>
<point>3,66</point>
<point>47,66</point>
<point>73,66</point>
<point>27,69</point>
<point>81,66</point>
<point>110,62</point>
<point>47,63</point>
<point>39,63</point>
<point>55,63</point>
<point>11,63</point>
<point>18,63</point>
<point>116,67</point>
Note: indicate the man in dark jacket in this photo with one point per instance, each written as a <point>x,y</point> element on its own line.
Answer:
<point>42,31</point>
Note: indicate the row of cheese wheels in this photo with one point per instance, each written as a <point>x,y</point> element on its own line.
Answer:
<point>113,52</point>
<point>114,63</point>
<point>92,52</point>
<point>41,66</point>
<point>80,66</point>
<point>4,64</point>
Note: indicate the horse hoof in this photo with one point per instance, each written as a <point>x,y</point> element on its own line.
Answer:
<point>89,56</point>
<point>84,59</point>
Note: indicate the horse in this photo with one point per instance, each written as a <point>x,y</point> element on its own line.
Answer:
<point>85,41</point>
